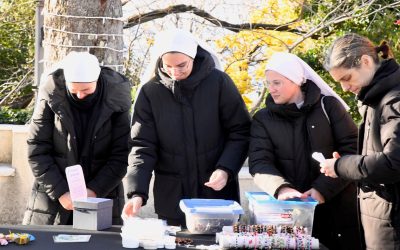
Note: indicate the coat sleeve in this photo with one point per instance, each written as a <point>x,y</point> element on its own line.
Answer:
<point>40,152</point>
<point>377,167</point>
<point>262,158</point>
<point>345,137</point>
<point>144,143</point>
<point>236,124</point>
<point>111,174</point>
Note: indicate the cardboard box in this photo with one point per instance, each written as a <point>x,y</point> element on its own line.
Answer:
<point>266,210</point>
<point>208,216</point>
<point>92,213</point>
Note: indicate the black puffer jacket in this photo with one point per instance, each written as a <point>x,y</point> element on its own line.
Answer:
<point>52,146</point>
<point>184,130</point>
<point>377,168</point>
<point>283,138</point>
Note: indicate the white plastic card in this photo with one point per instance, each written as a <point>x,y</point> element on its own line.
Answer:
<point>318,157</point>
<point>69,238</point>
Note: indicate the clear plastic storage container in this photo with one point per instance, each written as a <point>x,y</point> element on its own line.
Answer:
<point>208,216</point>
<point>265,209</point>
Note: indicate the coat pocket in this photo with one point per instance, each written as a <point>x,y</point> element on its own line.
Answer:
<point>372,205</point>
<point>376,220</point>
<point>167,194</point>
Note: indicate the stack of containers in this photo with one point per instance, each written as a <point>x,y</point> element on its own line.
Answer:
<point>148,233</point>
<point>208,216</point>
<point>266,210</point>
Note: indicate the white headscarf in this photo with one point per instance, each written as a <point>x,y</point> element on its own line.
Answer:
<point>298,71</point>
<point>81,67</point>
<point>175,40</point>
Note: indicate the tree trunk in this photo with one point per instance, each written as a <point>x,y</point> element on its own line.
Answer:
<point>64,19</point>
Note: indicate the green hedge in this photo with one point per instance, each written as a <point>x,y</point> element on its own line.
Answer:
<point>15,116</point>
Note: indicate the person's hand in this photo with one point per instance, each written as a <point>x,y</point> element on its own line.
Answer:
<point>91,193</point>
<point>315,194</point>
<point>132,207</point>
<point>328,166</point>
<point>65,201</point>
<point>217,180</point>
<point>288,193</point>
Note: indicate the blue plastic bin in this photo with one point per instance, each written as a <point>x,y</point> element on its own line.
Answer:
<point>208,216</point>
<point>265,209</point>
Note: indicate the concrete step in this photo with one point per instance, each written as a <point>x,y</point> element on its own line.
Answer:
<point>6,170</point>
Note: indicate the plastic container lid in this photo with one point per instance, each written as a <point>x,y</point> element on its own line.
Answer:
<point>210,206</point>
<point>264,198</point>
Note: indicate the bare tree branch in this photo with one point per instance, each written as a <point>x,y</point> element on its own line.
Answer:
<point>259,100</point>
<point>337,16</point>
<point>17,87</point>
<point>181,8</point>
<point>123,2</point>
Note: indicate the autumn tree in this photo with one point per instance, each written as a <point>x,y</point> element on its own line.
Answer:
<point>245,43</point>
<point>295,26</point>
<point>316,24</point>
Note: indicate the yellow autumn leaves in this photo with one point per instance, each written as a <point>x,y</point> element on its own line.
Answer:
<point>246,52</point>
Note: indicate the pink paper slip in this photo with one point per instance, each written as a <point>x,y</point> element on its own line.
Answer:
<point>76,182</point>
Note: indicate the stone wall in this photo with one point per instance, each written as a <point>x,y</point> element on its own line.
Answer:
<point>15,190</point>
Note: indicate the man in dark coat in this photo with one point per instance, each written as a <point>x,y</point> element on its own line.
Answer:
<point>82,117</point>
<point>304,115</point>
<point>354,61</point>
<point>190,126</point>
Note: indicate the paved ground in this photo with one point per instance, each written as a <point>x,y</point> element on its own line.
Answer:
<point>14,193</point>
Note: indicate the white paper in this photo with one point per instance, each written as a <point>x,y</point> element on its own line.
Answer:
<point>68,238</point>
<point>318,157</point>
<point>76,182</point>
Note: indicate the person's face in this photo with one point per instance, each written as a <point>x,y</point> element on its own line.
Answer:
<point>178,66</point>
<point>355,78</point>
<point>81,89</point>
<point>282,90</point>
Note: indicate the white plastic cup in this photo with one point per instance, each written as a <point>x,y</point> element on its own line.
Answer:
<point>129,242</point>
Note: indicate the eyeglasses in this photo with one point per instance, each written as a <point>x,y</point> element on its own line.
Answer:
<point>180,68</point>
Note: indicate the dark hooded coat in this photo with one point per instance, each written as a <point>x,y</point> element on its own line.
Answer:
<point>53,146</point>
<point>377,167</point>
<point>184,131</point>
<point>283,139</point>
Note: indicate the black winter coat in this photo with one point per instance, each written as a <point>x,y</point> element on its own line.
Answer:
<point>377,168</point>
<point>52,146</point>
<point>184,130</point>
<point>283,138</point>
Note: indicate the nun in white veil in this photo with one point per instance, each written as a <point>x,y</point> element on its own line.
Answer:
<point>189,125</point>
<point>295,69</point>
<point>304,115</point>
<point>175,40</point>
